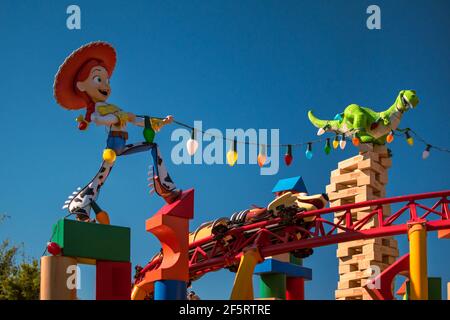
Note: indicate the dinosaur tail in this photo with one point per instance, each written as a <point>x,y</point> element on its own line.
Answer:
<point>327,125</point>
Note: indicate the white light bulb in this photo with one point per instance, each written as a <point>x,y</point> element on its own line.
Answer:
<point>191,146</point>
<point>321,131</point>
<point>342,144</point>
<point>425,154</point>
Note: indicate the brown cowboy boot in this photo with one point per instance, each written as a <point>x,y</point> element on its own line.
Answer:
<point>170,196</point>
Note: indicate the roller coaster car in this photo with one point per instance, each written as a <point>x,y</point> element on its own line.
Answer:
<point>216,228</point>
<point>287,205</point>
<point>298,201</point>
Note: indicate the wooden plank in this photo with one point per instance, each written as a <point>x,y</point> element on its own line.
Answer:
<point>372,165</point>
<point>344,293</point>
<point>348,193</point>
<point>351,163</point>
<point>381,150</point>
<point>386,162</point>
<point>365,147</point>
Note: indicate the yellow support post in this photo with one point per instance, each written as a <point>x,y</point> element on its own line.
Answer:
<point>417,235</point>
<point>243,282</point>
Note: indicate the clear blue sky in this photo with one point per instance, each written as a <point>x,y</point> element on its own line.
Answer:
<point>244,64</point>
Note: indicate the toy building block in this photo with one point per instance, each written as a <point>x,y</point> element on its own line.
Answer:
<point>434,288</point>
<point>113,280</point>
<point>290,184</point>
<point>272,266</point>
<point>448,290</point>
<point>170,290</point>
<point>183,207</point>
<point>92,241</point>
<point>273,285</point>
<point>295,288</point>
<point>444,234</point>
<point>402,290</point>
<point>171,226</point>
<point>172,232</point>
<point>56,273</point>
<point>282,279</point>
<point>284,257</point>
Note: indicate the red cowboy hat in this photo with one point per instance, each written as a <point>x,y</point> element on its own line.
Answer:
<point>64,85</point>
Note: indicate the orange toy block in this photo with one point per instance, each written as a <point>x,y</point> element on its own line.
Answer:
<point>172,232</point>
<point>444,234</point>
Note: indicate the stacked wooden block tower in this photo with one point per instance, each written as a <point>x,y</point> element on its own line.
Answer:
<point>360,178</point>
<point>105,246</point>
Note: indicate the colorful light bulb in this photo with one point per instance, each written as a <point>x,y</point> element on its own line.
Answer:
<point>262,155</point>
<point>409,139</point>
<point>53,248</point>
<point>232,155</point>
<point>327,147</point>
<point>309,153</point>
<point>390,137</point>
<point>192,144</point>
<point>336,142</point>
<point>149,133</point>
<point>355,140</point>
<point>321,131</point>
<point>426,152</point>
<point>288,156</point>
<point>343,142</point>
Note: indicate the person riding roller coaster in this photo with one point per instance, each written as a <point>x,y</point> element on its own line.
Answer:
<point>83,81</point>
<point>291,198</point>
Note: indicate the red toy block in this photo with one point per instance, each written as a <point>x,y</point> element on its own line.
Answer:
<point>295,288</point>
<point>183,207</point>
<point>113,280</point>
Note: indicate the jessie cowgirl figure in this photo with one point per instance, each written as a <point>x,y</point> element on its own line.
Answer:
<point>82,82</point>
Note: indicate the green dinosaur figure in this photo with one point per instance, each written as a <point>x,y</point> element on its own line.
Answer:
<point>369,126</point>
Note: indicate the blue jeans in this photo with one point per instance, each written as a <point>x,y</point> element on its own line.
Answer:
<point>116,143</point>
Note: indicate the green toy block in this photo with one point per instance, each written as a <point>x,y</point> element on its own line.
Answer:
<point>294,260</point>
<point>92,241</point>
<point>273,285</point>
<point>434,289</point>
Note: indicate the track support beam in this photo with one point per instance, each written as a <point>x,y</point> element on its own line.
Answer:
<point>417,235</point>
<point>243,282</point>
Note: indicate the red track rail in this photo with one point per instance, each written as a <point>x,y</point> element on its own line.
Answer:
<point>324,232</point>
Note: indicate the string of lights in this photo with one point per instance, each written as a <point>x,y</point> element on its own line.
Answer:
<point>339,140</point>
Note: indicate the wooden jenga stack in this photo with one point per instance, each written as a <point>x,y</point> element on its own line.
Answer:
<point>360,178</point>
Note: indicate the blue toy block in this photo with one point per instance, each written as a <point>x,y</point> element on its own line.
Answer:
<point>290,184</point>
<point>170,290</point>
<point>286,268</point>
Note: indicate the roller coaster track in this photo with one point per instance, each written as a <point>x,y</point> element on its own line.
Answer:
<point>277,236</point>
